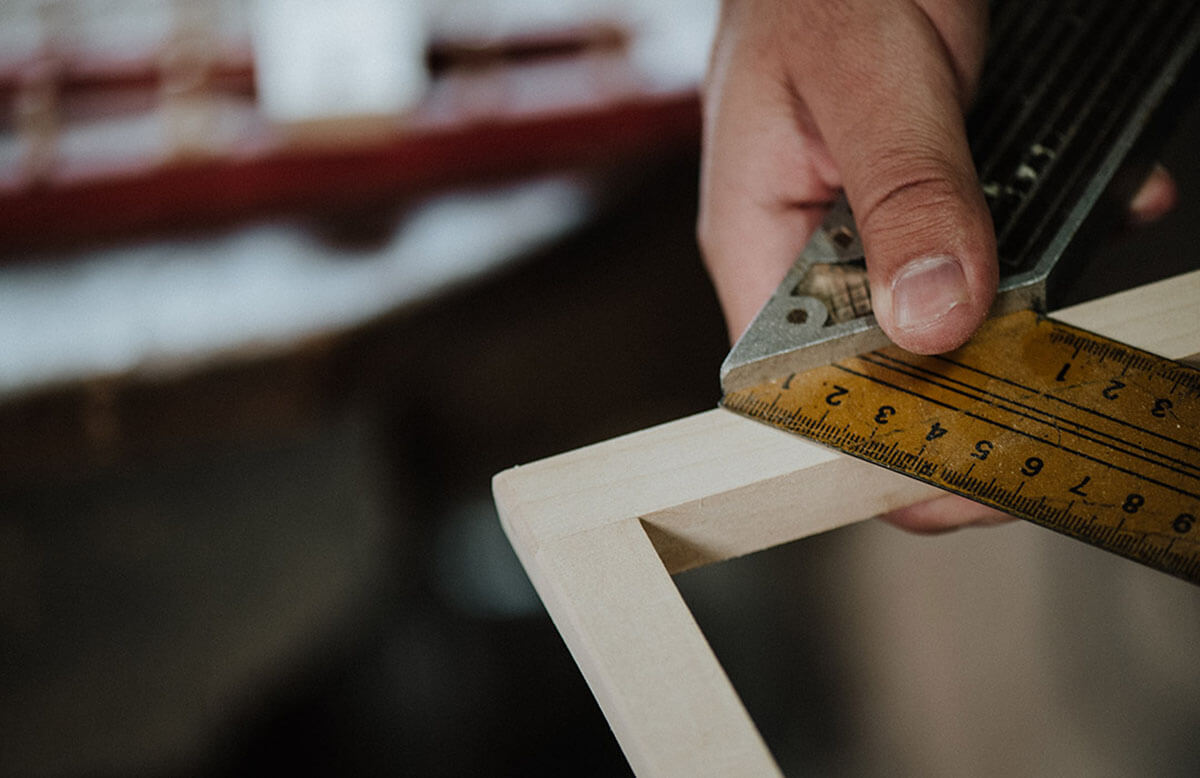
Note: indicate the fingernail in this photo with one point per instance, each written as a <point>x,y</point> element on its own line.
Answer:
<point>925,290</point>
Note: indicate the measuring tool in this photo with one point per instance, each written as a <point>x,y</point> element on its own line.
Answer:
<point>1048,422</point>
<point>1059,426</point>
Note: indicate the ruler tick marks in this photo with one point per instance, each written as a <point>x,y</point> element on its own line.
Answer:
<point>1012,435</point>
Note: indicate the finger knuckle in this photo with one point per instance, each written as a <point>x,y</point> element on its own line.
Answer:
<point>920,198</point>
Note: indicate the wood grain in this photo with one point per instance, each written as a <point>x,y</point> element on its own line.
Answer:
<point>599,529</point>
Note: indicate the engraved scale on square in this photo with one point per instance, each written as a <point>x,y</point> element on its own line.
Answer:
<point>1045,421</point>
<point>1059,426</point>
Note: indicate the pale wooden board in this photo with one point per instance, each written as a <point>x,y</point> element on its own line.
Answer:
<point>599,529</point>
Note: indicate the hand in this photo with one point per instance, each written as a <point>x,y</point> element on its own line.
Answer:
<point>808,97</point>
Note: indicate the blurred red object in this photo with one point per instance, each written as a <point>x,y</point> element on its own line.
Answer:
<point>190,149</point>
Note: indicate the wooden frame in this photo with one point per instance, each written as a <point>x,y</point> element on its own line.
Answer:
<point>601,529</point>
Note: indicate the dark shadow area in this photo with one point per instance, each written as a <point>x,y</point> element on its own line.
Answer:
<point>293,563</point>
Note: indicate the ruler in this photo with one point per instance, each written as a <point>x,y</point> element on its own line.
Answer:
<point>1073,97</point>
<point>1057,425</point>
<point>1065,428</point>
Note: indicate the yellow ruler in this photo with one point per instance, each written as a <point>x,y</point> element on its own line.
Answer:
<point>1048,422</point>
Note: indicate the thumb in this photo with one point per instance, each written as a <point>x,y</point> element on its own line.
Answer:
<point>892,119</point>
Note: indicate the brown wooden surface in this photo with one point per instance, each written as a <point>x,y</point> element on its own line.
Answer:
<point>702,489</point>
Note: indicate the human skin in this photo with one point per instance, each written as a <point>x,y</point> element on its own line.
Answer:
<point>806,98</point>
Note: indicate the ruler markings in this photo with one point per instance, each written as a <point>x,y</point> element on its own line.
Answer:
<point>1076,406</point>
<point>1145,361</point>
<point>1025,434</point>
<point>984,444</point>
<point>1056,418</point>
<point>1177,375</point>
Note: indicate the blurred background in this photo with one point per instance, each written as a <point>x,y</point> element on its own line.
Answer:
<point>283,283</point>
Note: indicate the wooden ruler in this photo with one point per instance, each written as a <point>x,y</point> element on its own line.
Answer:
<point>1048,422</point>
